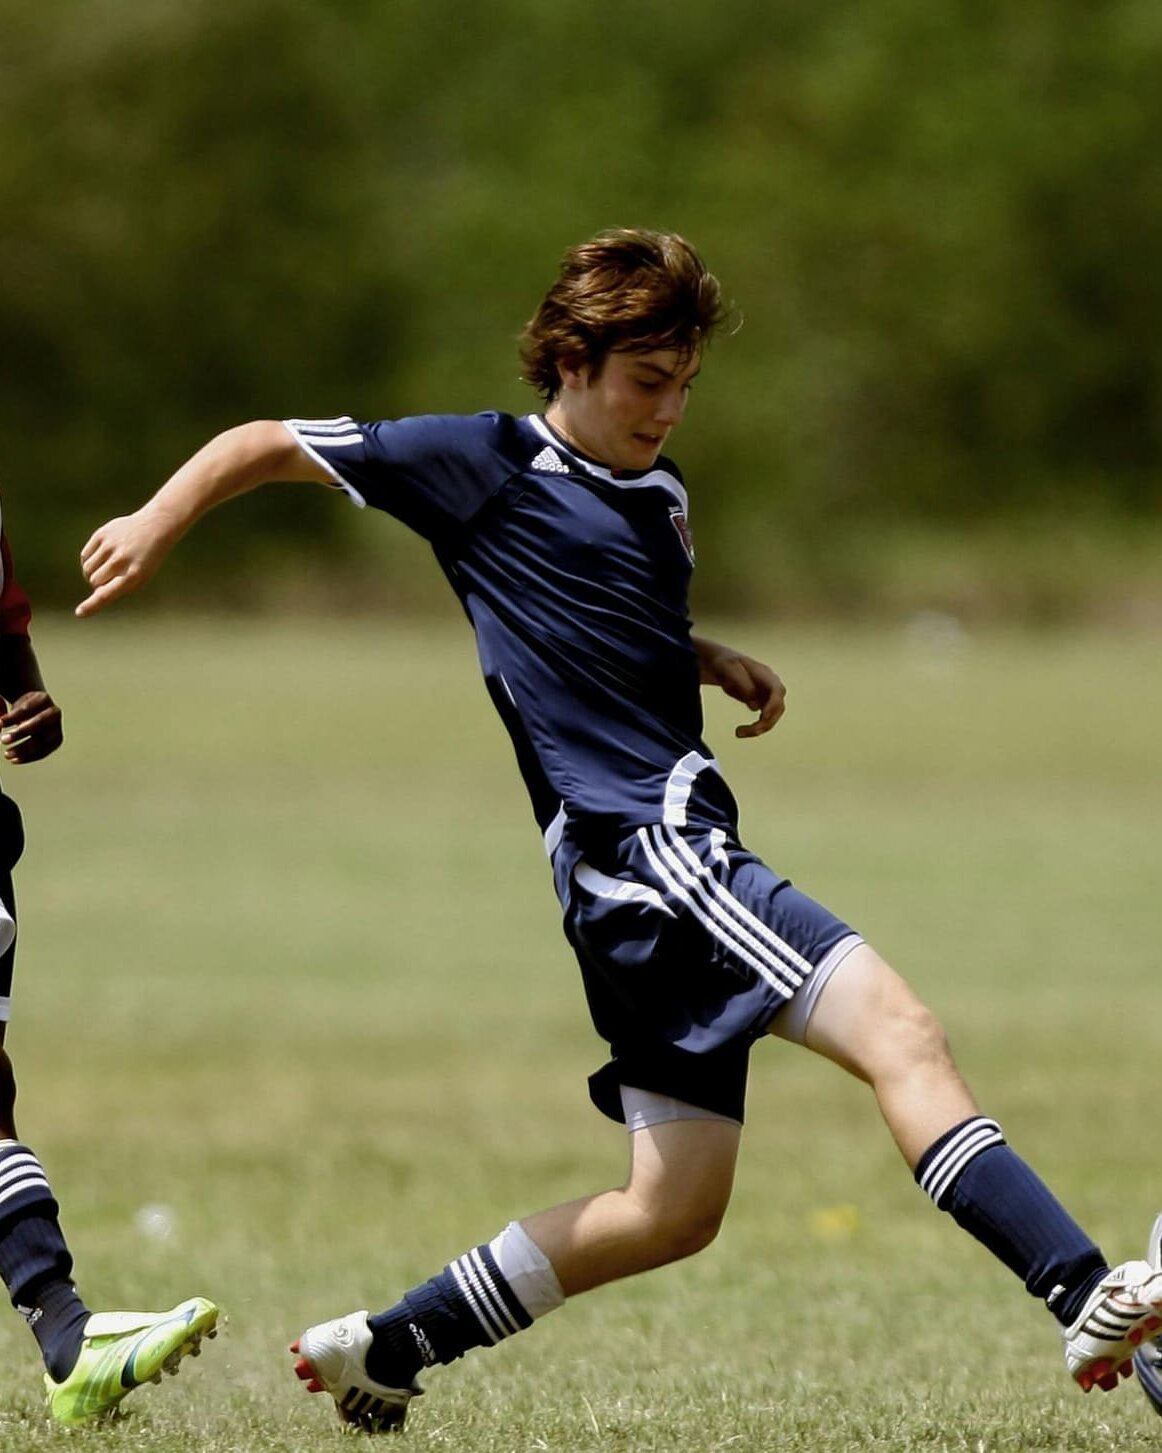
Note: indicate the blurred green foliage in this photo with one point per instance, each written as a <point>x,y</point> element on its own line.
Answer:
<point>942,227</point>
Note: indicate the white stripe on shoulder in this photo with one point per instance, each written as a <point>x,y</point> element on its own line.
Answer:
<point>307,444</point>
<point>340,433</point>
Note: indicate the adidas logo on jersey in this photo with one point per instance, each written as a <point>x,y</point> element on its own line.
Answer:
<point>548,461</point>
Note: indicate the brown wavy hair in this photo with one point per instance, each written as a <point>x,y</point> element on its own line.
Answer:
<point>626,290</point>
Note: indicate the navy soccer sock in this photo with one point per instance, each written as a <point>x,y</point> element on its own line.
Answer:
<point>35,1263</point>
<point>971,1172</point>
<point>479,1299</point>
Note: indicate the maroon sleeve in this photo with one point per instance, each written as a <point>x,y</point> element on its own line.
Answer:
<point>15,611</point>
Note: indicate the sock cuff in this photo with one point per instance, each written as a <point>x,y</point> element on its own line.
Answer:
<point>946,1159</point>
<point>527,1270</point>
<point>23,1183</point>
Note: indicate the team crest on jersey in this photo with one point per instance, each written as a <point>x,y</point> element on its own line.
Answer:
<point>682,525</point>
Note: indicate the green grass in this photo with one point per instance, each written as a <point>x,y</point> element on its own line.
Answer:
<point>290,965</point>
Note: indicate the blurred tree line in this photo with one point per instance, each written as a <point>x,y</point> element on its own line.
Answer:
<point>942,227</point>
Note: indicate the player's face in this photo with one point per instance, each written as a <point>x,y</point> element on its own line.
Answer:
<point>621,413</point>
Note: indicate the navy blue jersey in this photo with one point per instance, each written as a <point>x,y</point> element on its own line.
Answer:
<point>576,582</point>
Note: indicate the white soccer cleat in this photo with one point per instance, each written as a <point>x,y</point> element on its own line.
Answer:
<point>1122,1312</point>
<point>1148,1358</point>
<point>332,1358</point>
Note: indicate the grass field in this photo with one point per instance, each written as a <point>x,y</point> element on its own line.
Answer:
<point>290,966</point>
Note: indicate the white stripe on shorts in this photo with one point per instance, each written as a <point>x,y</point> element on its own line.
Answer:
<point>618,890</point>
<point>691,888</point>
<point>755,924</point>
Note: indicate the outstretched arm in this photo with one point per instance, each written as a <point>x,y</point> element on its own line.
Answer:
<point>746,680</point>
<point>124,554</point>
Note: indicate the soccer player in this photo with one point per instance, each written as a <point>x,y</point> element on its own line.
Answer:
<point>91,1360</point>
<point>565,536</point>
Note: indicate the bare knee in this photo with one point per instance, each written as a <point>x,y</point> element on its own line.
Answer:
<point>915,1038</point>
<point>671,1230</point>
<point>869,1020</point>
<point>692,1232</point>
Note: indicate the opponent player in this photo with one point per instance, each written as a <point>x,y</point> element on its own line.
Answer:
<point>565,536</point>
<point>91,1360</point>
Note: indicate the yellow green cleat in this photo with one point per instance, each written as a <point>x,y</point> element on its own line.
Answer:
<point>122,1350</point>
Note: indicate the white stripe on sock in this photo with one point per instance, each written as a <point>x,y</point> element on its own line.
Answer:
<point>465,1280</point>
<point>491,1291</point>
<point>969,1141</point>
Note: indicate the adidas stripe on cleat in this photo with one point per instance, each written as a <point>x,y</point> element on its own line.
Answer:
<point>122,1350</point>
<point>1121,1313</point>
<point>332,1358</point>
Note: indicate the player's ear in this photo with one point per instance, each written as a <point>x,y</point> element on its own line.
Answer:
<point>573,373</point>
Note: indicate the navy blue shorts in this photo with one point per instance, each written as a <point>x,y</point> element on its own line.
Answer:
<point>689,946</point>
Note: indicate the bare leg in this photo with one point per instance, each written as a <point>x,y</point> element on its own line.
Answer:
<point>680,1177</point>
<point>672,1204</point>
<point>869,1021</point>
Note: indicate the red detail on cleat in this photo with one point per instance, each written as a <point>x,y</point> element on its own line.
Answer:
<point>294,1347</point>
<point>1127,1368</point>
<point>306,1373</point>
<point>1097,1374</point>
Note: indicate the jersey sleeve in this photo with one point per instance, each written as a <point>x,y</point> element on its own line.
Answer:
<point>15,611</point>
<point>433,472</point>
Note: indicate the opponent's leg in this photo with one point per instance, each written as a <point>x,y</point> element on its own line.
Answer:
<point>35,1263</point>
<point>670,1206</point>
<point>869,1021</point>
<point>91,1361</point>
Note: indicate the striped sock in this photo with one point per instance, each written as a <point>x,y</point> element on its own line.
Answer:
<point>474,1302</point>
<point>35,1263</point>
<point>971,1173</point>
<point>32,1249</point>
